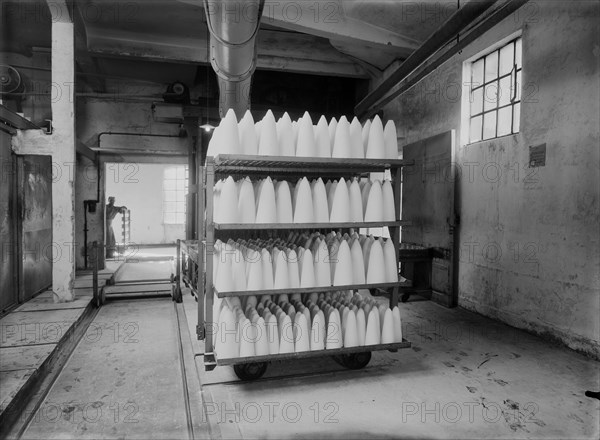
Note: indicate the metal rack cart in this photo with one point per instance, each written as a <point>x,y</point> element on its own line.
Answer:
<point>191,254</point>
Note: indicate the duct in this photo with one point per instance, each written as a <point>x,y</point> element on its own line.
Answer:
<point>233,26</point>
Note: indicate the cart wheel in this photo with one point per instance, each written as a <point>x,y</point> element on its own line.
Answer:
<point>251,371</point>
<point>354,361</point>
<point>405,297</point>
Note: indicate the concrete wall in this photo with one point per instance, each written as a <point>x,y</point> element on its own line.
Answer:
<point>140,188</point>
<point>529,236</point>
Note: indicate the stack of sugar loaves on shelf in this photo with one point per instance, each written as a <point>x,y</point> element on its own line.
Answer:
<point>336,138</point>
<point>303,261</point>
<point>271,201</point>
<point>282,324</point>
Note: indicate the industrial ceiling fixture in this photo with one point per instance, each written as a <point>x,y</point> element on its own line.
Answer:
<point>207,126</point>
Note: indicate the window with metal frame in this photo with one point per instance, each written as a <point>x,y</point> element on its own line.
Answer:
<point>175,188</point>
<point>495,93</point>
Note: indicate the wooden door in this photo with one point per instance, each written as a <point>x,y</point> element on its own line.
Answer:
<point>428,201</point>
<point>35,217</point>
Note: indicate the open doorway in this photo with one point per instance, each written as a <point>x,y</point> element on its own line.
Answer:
<point>148,212</point>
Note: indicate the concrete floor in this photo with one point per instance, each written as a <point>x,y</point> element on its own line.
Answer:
<point>465,376</point>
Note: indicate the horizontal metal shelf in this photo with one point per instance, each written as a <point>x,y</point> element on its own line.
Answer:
<point>290,291</point>
<point>233,162</point>
<point>211,358</point>
<point>259,226</point>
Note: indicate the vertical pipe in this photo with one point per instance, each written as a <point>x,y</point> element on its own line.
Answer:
<point>95,274</point>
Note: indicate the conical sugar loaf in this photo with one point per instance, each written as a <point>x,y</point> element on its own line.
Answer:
<point>229,136</point>
<point>376,265</point>
<point>214,143</point>
<point>267,270</point>
<point>356,144</point>
<point>365,135</point>
<point>376,144</point>
<point>272,334</point>
<point>361,326</point>
<point>224,281</point>
<point>266,212</point>
<point>341,144</point>
<point>246,206</point>
<point>322,140</point>
<point>257,126</point>
<point>248,337</point>
<point>303,208</point>
<point>247,131</point>
<point>389,205</point>
<point>238,267</point>
<point>382,309</point>
<point>285,135</point>
<point>283,202</point>
<point>358,263</point>
<point>391,264</point>
<point>390,139</point>
<point>374,209</point>
<point>317,333</point>
<point>293,269</point>
<point>281,278</point>
<point>334,337</point>
<point>268,144</point>
<point>255,274</point>
<point>307,270</point>
<point>343,268</point>
<point>365,190</point>
<point>351,331</point>
<point>228,202</point>
<point>397,325</point>
<point>387,333</point>
<point>286,335</point>
<point>301,334</point>
<point>356,207</point>
<point>305,146</point>
<point>321,264</point>
<point>330,187</point>
<point>373,333</point>
<point>319,199</point>
<point>227,344</point>
<point>340,207</point>
<point>332,129</point>
<point>261,346</point>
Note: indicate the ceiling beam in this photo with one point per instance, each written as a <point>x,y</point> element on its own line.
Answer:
<point>85,62</point>
<point>327,19</point>
<point>277,50</point>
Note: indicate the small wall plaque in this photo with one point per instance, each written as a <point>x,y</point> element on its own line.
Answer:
<point>537,156</point>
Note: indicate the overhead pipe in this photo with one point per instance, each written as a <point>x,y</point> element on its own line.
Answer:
<point>456,23</point>
<point>233,27</point>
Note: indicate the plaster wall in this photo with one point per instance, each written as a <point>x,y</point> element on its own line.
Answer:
<point>529,237</point>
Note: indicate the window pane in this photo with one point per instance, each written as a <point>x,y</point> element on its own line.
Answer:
<point>477,101</point>
<point>506,59</point>
<point>519,85</point>
<point>504,120</point>
<point>170,196</point>
<point>170,173</point>
<point>475,134</point>
<point>170,217</point>
<point>490,96</point>
<point>516,117</point>
<point>180,217</point>
<point>477,73</point>
<point>489,125</point>
<point>518,53</point>
<point>169,185</point>
<point>170,206</point>
<point>505,91</point>
<point>491,66</point>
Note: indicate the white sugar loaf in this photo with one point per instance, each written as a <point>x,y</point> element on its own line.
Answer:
<point>341,143</point>
<point>356,144</point>
<point>305,146</point>
<point>322,138</point>
<point>389,205</point>
<point>390,139</point>
<point>285,135</point>
<point>268,144</point>
<point>319,199</point>
<point>375,143</point>
<point>247,132</point>
<point>332,128</point>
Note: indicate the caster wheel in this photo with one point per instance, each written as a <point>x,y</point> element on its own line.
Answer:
<point>251,371</point>
<point>405,297</point>
<point>354,361</point>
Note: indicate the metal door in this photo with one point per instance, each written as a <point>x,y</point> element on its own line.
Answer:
<point>8,240</point>
<point>35,215</point>
<point>428,201</point>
